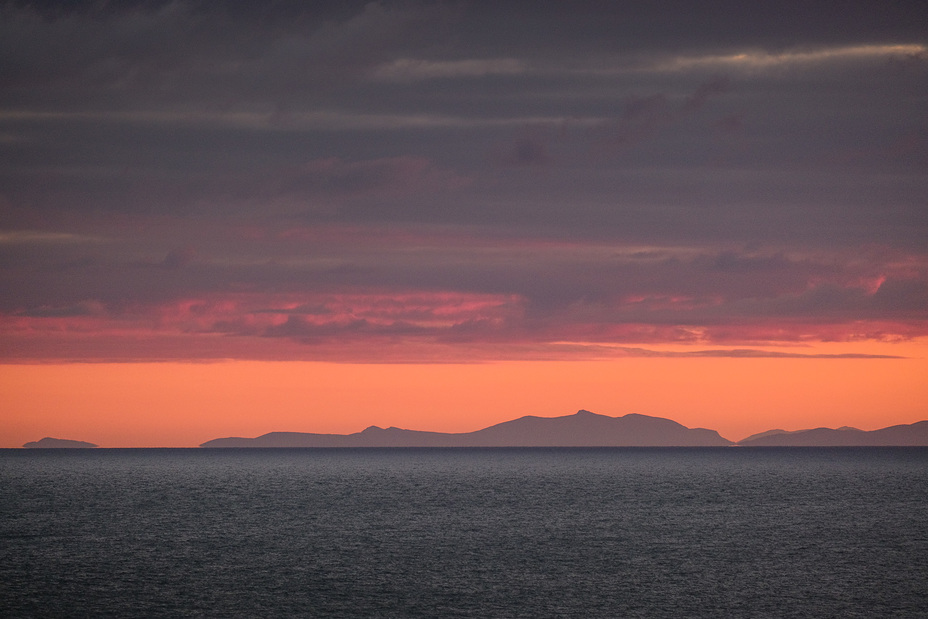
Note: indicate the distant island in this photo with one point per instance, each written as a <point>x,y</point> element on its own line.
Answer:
<point>915,434</point>
<point>583,429</point>
<point>58,443</point>
<point>586,429</point>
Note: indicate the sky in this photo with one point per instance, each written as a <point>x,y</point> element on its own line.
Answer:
<point>231,218</point>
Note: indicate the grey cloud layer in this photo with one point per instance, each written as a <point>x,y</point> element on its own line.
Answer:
<point>152,152</point>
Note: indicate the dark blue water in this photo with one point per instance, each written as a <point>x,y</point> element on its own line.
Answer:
<point>473,532</point>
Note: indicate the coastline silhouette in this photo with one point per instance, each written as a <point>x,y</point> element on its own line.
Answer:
<point>582,429</point>
<point>903,435</point>
<point>58,443</point>
<point>585,429</point>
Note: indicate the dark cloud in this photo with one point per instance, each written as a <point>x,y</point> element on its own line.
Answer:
<point>644,116</point>
<point>701,95</point>
<point>151,54</point>
<point>748,353</point>
<point>86,308</point>
<point>379,178</point>
<point>308,332</point>
<point>179,257</point>
<point>527,151</point>
<point>301,310</point>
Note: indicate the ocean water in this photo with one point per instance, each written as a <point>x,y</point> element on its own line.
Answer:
<point>734,532</point>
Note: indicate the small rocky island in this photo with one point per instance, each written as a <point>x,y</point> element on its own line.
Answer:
<point>58,443</point>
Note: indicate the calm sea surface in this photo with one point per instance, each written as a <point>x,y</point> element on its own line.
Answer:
<point>465,532</point>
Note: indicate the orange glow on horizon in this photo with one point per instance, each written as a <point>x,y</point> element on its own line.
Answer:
<point>184,404</point>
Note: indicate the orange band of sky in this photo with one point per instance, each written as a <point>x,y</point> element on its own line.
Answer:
<point>184,404</point>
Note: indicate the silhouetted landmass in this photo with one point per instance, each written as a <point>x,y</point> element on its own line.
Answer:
<point>583,429</point>
<point>761,434</point>
<point>915,434</point>
<point>58,443</point>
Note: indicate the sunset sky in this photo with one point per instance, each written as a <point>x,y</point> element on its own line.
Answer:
<point>230,218</point>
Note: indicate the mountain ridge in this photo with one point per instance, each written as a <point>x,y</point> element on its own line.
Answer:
<point>582,429</point>
<point>901,435</point>
<point>587,429</point>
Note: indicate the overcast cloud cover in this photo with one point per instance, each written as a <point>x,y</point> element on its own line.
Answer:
<point>447,181</point>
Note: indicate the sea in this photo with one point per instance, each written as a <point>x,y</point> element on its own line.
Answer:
<point>547,532</point>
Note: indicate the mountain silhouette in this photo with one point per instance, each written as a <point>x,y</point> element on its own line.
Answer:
<point>915,434</point>
<point>58,443</point>
<point>583,429</point>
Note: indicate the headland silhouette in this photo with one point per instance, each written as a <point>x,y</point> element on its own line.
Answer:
<point>58,443</point>
<point>915,434</point>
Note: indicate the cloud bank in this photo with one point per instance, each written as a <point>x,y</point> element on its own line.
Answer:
<point>431,181</point>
